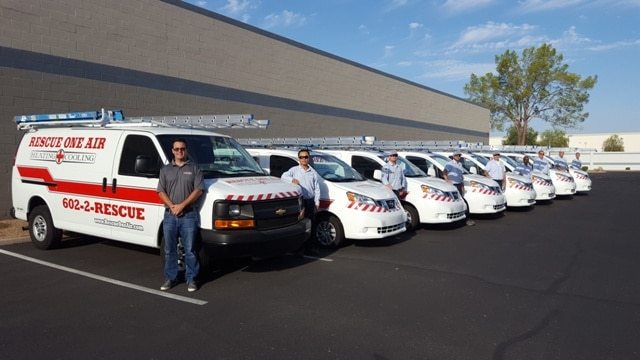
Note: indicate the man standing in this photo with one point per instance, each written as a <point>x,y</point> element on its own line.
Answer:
<point>454,173</point>
<point>179,187</point>
<point>306,177</point>
<point>495,170</point>
<point>577,163</point>
<point>561,162</point>
<point>524,168</point>
<point>393,176</point>
<point>541,164</point>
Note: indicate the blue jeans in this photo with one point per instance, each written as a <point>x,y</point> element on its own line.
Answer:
<point>186,227</point>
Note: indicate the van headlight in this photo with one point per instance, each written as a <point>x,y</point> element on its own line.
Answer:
<point>228,216</point>
<point>480,185</point>
<point>431,190</point>
<point>351,196</point>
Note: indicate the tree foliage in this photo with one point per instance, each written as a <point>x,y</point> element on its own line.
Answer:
<point>512,137</point>
<point>554,138</point>
<point>613,143</point>
<point>536,85</point>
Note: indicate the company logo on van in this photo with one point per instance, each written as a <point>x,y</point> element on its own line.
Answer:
<point>281,211</point>
<point>61,156</point>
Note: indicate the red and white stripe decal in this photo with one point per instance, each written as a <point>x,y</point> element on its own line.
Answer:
<point>436,197</point>
<point>520,187</point>
<point>484,191</point>
<point>143,195</point>
<point>368,208</point>
<point>266,196</point>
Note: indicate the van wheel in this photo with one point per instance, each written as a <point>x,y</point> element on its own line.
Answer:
<point>41,230</point>
<point>413,218</point>
<point>329,232</point>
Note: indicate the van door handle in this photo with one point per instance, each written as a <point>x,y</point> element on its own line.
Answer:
<point>104,184</point>
<point>113,185</point>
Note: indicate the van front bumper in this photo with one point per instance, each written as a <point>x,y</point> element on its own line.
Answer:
<point>255,243</point>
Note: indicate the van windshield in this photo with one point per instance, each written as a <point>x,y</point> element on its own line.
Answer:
<point>333,169</point>
<point>216,156</point>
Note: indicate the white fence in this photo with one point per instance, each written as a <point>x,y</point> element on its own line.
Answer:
<point>606,160</point>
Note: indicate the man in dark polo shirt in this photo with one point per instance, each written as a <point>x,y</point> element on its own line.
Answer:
<point>179,187</point>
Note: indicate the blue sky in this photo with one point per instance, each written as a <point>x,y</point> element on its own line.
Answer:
<point>439,43</point>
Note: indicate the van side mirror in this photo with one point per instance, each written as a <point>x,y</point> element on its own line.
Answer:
<point>147,166</point>
<point>473,170</point>
<point>431,171</point>
<point>377,174</point>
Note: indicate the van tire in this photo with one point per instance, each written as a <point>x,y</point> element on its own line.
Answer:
<point>41,230</point>
<point>413,218</point>
<point>329,231</point>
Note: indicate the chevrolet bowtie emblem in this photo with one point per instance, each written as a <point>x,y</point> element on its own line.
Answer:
<point>281,211</point>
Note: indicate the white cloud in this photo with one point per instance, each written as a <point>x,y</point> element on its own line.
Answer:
<point>284,19</point>
<point>395,4</point>
<point>455,70</point>
<point>236,7</point>
<point>491,35</point>
<point>456,6</point>
<point>543,5</point>
<point>202,4</point>
<point>415,26</point>
<point>404,63</point>
<point>614,45</point>
<point>388,50</point>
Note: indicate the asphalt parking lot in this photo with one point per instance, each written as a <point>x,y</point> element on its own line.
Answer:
<point>560,281</point>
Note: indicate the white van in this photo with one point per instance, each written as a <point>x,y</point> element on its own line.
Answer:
<point>518,191</point>
<point>483,194</point>
<point>428,199</point>
<point>96,174</point>
<point>562,180</point>
<point>351,207</point>
<point>542,184</point>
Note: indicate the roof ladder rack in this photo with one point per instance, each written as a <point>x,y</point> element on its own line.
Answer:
<point>115,118</point>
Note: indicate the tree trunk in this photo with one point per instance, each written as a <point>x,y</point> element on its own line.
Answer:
<point>522,134</point>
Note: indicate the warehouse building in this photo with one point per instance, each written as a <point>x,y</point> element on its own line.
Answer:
<point>166,57</point>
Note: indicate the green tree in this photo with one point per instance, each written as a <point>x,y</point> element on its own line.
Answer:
<point>613,143</point>
<point>512,137</point>
<point>554,138</point>
<point>537,85</point>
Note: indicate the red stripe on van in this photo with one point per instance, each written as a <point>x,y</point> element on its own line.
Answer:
<point>145,195</point>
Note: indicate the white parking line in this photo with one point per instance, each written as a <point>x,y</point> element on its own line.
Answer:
<point>106,279</point>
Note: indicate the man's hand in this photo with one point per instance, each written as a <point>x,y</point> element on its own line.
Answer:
<point>176,209</point>
<point>295,181</point>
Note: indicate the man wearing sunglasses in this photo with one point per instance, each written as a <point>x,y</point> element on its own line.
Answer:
<point>393,176</point>
<point>179,187</point>
<point>306,177</point>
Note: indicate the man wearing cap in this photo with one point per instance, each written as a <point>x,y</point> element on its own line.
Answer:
<point>454,173</point>
<point>576,163</point>
<point>393,176</point>
<point>540,163</point>
<point>495,170</point>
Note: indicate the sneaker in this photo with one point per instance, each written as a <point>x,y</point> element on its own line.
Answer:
<point>470,222</point>
<point>168,285</point>
<point>192,286</point>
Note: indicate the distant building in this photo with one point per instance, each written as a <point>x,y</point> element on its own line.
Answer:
<point>591,141</point>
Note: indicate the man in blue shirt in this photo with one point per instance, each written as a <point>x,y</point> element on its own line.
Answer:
<point>541,164</point>
<point>306,177</point>
<point>561,162</point>
<point>524,168</point>
<point>454,173</point>
<point>576,163</point>
<point>393,176</point>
